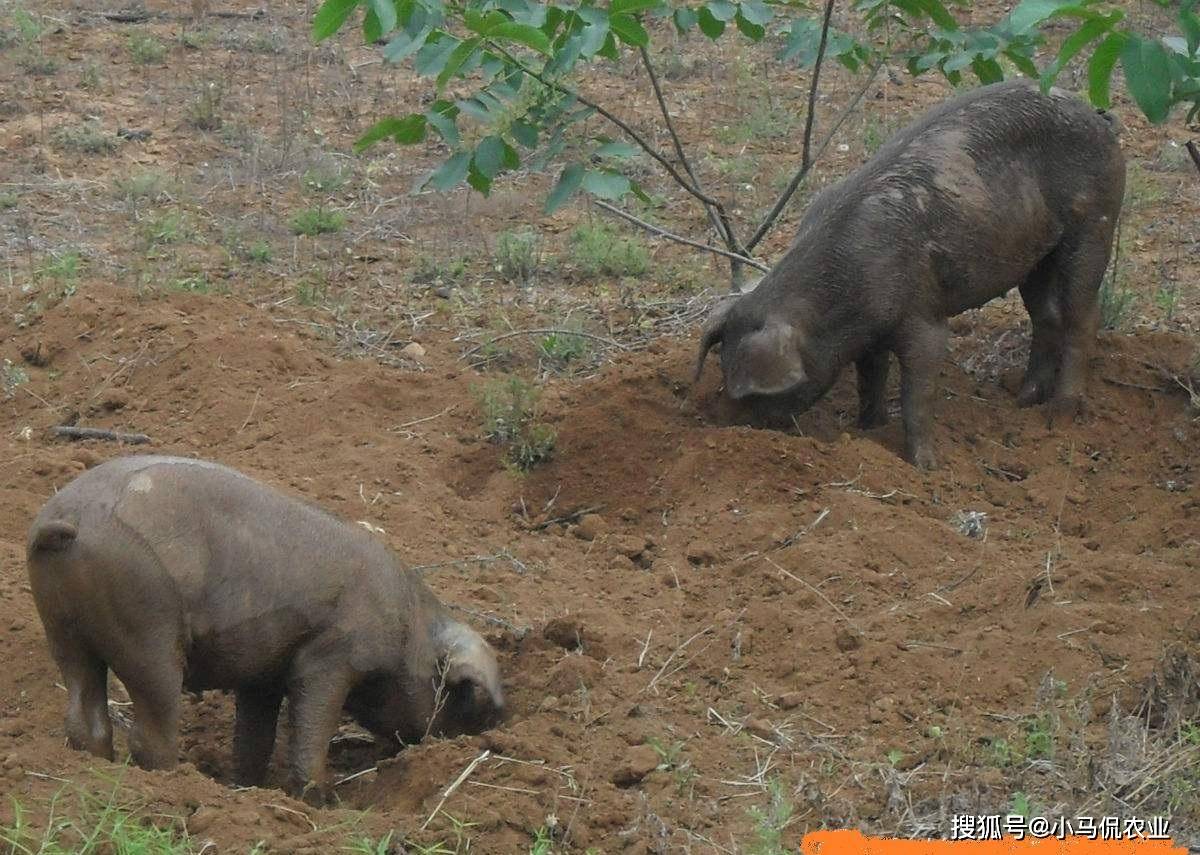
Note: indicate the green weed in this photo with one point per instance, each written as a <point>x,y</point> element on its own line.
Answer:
<point>770,822</point>
<point>317,221</point>
<point>204,110</point>
<point>87,137</point>
<point>145,49</point>
<point>598,249</point>
<point>1116,304</point>
<point>510,411</point>
<point>517,255</point>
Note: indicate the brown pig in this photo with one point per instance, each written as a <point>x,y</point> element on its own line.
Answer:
<point>997,188</point>
<point>179,573</point>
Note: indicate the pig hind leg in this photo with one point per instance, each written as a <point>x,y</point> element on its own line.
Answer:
<point>254,732</point>
<point>872,388</point>
<point>1083,258</point>
<point>86,677</point>
<point>1042,298</point>
<point>155,689</point>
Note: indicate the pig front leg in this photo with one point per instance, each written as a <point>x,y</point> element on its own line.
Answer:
<point>317,693</point>
<point>872,388</point>
<point>254,732</point>
<point>920,348</point>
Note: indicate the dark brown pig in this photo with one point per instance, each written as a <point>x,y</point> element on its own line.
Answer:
<point>180,573</point>
<point>998,188</point>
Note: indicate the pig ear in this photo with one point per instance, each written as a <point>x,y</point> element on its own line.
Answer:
<point>711,334</point>
<point>470,666</point>
<point>766,362</point>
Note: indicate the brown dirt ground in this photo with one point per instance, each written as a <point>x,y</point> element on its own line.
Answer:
<point>753,605</point>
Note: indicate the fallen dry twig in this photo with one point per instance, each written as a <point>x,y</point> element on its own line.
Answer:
<point>69,432</point>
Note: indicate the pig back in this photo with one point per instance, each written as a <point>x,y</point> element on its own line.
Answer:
<point>253,569</point>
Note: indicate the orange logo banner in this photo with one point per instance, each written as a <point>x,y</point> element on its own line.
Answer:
<point>856,843</point>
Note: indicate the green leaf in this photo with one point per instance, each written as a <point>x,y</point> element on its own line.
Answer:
<point>568,182</point>
<point>754,32</point>
<point>524,133</point>
<point>606,184</point>
<point>757,12</point>
<point>406,131</point>
<point>372,31</point>
<point>593,37</point>
<point>490,155</point>
<point>442,116</point>
<point>523,34</point>
<point>432,56</point>
<point>617,149</point>
<point>457,59</point>
<point>1074,43</point>
<point>958,62</point>
<point>451,173</point>
<point>629,30</point>
<point>402,46</point>
<point>636,190</point>
<point>478,181</point>
<point>987,70</point>
<point>710,25</point>
<point>610,50</point>
<point>330,17</point>
<point>475,108</point>
<point>628,7</point>
<point>1022,61</point>
<point>1032,12</point>
<point>684,18</point>
<point>1148,76</point>
<point>935,10</point>
<point>1189,25</point>
<point>722,10</point>
<point>385,11</point>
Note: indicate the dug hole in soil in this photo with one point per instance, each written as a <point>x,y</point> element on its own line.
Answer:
<point>737,606</point>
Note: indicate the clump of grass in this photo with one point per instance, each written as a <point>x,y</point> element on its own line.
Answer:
<point>63,268</point>
<point>145,49</point>
<point>32,58</point>
<point>195,284</point>
<point>510,411</point>
<point>168,227</point>
<point>8,201</point>
<point>204,110</point>
<point>1116,304</point>
<point>765,121</point>
<point>317,221</point>
<point>310,292</point>
<point>90,78</point>
<point>432,270</point>
<point>11,377</point>
<point>142,186</point>
<point>1142,189</point>
<point>323,177</point>
<point>598,249</point>
<point>87,137</point>
<point>1167,300</point>
<point>517,255</point>
<point>560,349</point>
<point>271,42</point>
<point>770,822</point>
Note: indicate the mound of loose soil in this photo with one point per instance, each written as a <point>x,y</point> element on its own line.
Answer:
<point>736,605</point>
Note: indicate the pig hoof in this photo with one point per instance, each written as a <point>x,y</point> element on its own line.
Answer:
<point>1030,395</point>
<point>313,793</point>
<point>923,459</point>
<point>1065,410</point>
<point>869,420</point>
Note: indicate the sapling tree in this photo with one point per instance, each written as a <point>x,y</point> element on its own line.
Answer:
<point>523,64</point>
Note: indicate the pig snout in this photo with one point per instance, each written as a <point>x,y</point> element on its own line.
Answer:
<point>474,697</point>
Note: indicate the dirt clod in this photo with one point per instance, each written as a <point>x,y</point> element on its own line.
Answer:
<point>637,762</point>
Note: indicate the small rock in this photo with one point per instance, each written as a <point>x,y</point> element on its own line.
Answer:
<point>591,526</point>
<point>701,553</point>
<point>847,641</point>
<point>572,674</point>
<point>566,632</point>
<point>637,763</point>
<point>790,700</point>
<point>202,820</point>
<point>548,703</point>
<point>761,728</point>
<point>412,350</point>
<point>629,546</point>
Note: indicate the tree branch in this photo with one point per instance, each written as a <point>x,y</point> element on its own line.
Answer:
<point>742,259</point>
<point>1194,151</point>
<point>805,168</point>
<point>620,123</point>
<point>720,223</point>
